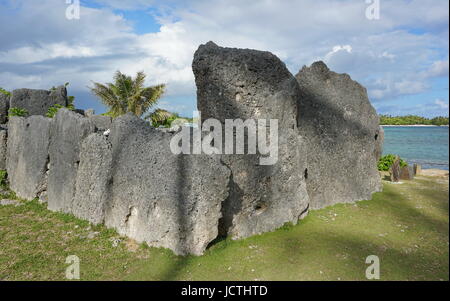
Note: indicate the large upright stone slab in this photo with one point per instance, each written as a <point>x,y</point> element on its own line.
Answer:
<point>3,146</point>
<point>343,133</point>
<point>93,179</point>
<point>4,107</point>
<point>37,102</point>
<point>379,144</point>
<point>395,170</point>
<point>250,84</point>
<point>67,133</point>
<point>27,155</point>
<point>166,200</point>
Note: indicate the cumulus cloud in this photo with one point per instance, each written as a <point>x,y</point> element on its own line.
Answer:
<point>41,48</point>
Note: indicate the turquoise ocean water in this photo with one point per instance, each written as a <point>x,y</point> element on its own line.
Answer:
<point>427,146</point>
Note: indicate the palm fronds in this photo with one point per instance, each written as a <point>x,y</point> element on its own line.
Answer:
<point>128,94</point>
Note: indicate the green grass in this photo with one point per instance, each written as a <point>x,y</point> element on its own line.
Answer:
<point>406,226</point>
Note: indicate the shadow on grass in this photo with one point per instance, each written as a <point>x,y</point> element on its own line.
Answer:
<point>339,248</point>
<point>395,264</point>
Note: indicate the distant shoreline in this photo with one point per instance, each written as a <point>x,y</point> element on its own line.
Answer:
<point>416,125</point>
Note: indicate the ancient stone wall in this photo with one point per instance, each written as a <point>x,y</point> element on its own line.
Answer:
<point>344,138</point>
<point>122,172</point>
<point>251,85</point>
<point>27,155</point>
<point>37,102</point>
<point>4,107</point>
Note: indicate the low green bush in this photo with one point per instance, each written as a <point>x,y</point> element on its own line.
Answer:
<point>55,108</point>
<point>386,162</point>
<point>17,112</point>
<point>3,91</point>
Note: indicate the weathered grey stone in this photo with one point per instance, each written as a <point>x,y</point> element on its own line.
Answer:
<point>4,107</point>
<point>67,133</point>
<point>379,144</point>
<point>93,179</point>
<point>417,169</point>
<point>407,173</point>
<point>166,200</point>
<point>395,170</point>
<point>27,155</point>
<point>343,133</point>
<point>3,147</point>
<point>37,102</point>
<point>101,122</point>
<point>250,84</point>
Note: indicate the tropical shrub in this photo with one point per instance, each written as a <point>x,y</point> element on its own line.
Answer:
<point>386,162</point>
<point>55,108</point>
<point>17,112</point>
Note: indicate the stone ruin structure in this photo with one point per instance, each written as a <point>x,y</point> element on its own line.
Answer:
<point>344,137</point>
<point>128,179</point>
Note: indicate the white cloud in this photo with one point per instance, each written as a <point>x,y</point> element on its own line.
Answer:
<point>127,4</point>
<point>40,48</point>
<point>439,68</point>
<point>336,49</point>
<point>442,104</point>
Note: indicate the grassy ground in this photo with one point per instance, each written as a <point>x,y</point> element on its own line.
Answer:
<point>406,226</point>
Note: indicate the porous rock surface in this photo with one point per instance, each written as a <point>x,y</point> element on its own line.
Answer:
<point>123,173</point>
<point>37,102</point>
<point>93,179</point>
<point>166,200</point>
<point>343,134</point>
<point>27,155</point>
<point>250,84</point>
<point>4,107</point>
<point>101,122</point>
<point>67,133</point>
<point>3,147</point>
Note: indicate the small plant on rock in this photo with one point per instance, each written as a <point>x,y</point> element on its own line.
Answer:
<point>3,176</point>
<point>17,112</point>
<point>3,91</point>
<point>55,108</point>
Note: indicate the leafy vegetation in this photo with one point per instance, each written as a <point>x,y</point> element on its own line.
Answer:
<point>386,162</point>
<point>406,226</point>
<point>3,91</point>
<point>412,120</point>
<point>166,119</point>
<point>17,112</point>
<point>3,177</point>
<point>55,108</point>
<point>162,118</point>
<point>128,94</point>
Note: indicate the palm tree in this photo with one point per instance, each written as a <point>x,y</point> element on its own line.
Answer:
<point>128,94</point>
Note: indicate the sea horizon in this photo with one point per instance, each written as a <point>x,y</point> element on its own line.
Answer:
<point>424,145</point>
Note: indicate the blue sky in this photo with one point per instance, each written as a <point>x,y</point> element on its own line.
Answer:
<point>402,57</point>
